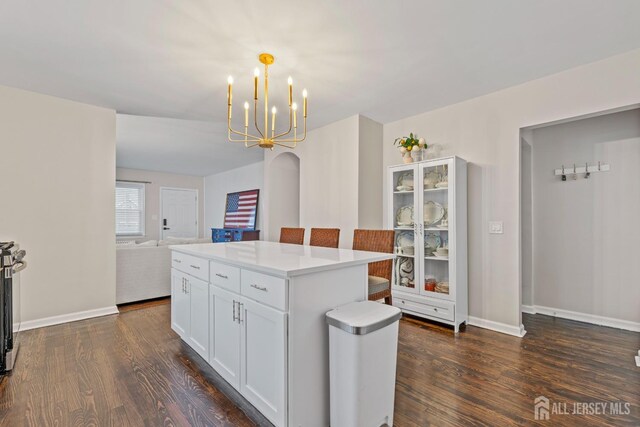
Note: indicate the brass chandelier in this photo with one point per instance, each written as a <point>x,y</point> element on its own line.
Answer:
<point>267,138</point>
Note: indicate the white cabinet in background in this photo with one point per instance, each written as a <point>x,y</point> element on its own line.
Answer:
<point>190,310</point>
<point>263,358</point>
<point>248,349</point>
<point>179,303</point>
<point>198,336</point>
<point>225,335</point>
<point>428,211</point>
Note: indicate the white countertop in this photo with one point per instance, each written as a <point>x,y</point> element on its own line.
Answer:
<point>280,259</point>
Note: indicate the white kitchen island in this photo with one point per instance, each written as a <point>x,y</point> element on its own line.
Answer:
<point>255,312</point>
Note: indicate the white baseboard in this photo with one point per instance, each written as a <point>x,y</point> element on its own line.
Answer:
<point>583,317</point>
<point>523,332</point>
<point>65,318</point>
<point>497,326</point>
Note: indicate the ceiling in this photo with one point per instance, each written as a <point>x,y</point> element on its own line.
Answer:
<point>188,147</point>
<point>383,59</point>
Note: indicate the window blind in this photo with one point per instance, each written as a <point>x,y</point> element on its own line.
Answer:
<point>129,209</point>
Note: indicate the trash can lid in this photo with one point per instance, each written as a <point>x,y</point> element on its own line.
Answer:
<point>363,317</point>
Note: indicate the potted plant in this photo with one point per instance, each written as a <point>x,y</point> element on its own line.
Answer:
<point>410,144</point>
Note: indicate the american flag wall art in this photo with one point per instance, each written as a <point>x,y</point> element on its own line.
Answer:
<point>241,210</point>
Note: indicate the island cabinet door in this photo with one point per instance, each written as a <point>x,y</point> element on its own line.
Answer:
<point>198,291</point>
<point>224,355</point>
<point>263,359</point>
<point>179,304</point>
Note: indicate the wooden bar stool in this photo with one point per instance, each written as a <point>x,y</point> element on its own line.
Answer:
<point>325,237</point>
<point>379,272</point>
<point>292,235</point>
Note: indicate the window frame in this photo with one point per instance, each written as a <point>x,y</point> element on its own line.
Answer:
<point>141,187</point>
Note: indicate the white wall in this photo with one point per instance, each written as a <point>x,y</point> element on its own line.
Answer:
<point>369,175</point>
<point>152,196</point>
<point>586,231</point>
<point>486,132</point>
<point>58,163</point>
<point>283,187</point>
<point>217,186</point>
<point>328,178</point>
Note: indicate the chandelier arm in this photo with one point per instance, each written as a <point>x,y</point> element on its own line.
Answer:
<point>245,135</point>
<point>296,140</point>
<point>290,125</point>
<point>291,147</point>
<point>242,140</point>
<point>255,117</point>
<point>250,137</point>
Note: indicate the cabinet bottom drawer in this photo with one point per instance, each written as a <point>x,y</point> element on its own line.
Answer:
<point>440,309</point>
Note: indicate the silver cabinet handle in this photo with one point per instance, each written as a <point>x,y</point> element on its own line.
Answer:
<point>177,261</point>
<point>234,310</point>
<point>240,305</point>
<point>194,266</point>
<point>186,285</point>
<point>183,285</point>
<point>435,309</point>
<point>260,288</point>
<point>222,276</point>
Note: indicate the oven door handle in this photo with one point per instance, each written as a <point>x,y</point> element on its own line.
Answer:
<point>19,266</point>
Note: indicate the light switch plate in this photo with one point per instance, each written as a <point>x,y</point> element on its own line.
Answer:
<point>496,227</point>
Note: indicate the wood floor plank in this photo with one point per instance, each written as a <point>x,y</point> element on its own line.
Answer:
<point>132,370</point>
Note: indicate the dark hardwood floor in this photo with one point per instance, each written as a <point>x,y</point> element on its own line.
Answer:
<point>131,369</point>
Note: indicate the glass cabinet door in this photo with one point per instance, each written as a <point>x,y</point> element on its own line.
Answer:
<point>403,221</point>
<point>437,198</point>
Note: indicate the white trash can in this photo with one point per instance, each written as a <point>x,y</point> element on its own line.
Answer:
<point>363,346</point>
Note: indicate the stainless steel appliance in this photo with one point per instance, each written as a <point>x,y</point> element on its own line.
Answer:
<point>11,263</point>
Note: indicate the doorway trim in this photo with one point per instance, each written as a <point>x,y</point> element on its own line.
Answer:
<point>551,311</point>
<point>193,190</point>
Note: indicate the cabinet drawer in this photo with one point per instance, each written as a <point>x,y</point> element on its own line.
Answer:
<point>441,309</point>
<point>225,276</point>
<point>263,288</point>
<point>197,267</point>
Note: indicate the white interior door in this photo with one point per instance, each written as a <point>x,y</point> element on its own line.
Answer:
<point>179,213</point>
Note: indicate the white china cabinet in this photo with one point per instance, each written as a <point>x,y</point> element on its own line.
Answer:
<point>427,208</point>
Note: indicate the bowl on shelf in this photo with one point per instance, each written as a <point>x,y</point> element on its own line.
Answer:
<point>442,287</point>
<point>408,250</point>
<point>442,252</point>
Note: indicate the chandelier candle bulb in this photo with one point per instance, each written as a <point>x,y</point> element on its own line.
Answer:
<point>304,105</point>
<point>294,106</point>
<point>290,82</point>
<point>256,74</point>
<point>229,95</point>
<point>273,122</point>
<point>246,114</point>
